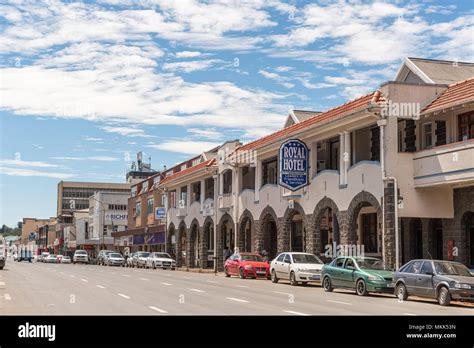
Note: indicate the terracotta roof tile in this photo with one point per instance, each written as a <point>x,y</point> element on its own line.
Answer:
<point>456,94</point>
<point>353,105</point>
<point>188,171</point>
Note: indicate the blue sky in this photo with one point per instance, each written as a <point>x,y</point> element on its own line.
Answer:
<point>85,85</point>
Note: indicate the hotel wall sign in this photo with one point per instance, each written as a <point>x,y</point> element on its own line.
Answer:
<point>293,164</point>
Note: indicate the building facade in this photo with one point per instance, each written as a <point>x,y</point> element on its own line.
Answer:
<point>390,174</point>
<point>29,229</point>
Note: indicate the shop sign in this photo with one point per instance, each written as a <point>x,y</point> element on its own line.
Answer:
<point>293,164</point>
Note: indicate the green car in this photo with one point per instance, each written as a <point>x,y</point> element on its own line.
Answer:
<point>364,274</point>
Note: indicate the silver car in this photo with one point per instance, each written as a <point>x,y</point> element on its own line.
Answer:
<point>80,256</point>
<point>139,259</point>
<point>296,267</point>
<point>114,259</point>
<point>160,260</point>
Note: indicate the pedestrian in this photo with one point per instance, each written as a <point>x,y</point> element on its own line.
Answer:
<point>227,253</point>
<point>265,256</point>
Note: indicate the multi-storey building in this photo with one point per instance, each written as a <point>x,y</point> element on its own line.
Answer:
<point>145,230</point>
<point>29,228</point>
<point>392,171</point>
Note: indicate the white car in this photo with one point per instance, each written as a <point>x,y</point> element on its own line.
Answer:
<point>160,260</point>
<point>66,259</point>
<point>114,259</point>
<point>51,259</point>
<point>296,267</point>
<point>80,256</point>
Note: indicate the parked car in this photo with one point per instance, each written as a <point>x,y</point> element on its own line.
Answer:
<point>114,259</point>
<point>3,253</point>
<point>51,259</point>
<point>442,280</point>
<point>129,262</point>
<point>101,256</point>
<point>246,265</point>
<point>364,274</point>
<point>296,267</point>
<point>80,256</point>
<point>160,260</point>
<point>43,256</point>
<point>65,259</point>
<point>139,259</point>
<point>59,257</point>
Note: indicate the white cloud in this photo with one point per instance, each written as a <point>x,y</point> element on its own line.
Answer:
<point>21,163</point>
<point>283,68</point>
<point>30,172</point>
<point>93,139</point>
<point>88,158</point>
<point>278,78</point>
<point>341,80</point>
<point>186,147</point>
<point>190,66</point>
<point>39,147</point>
<point>127,131</point>
<point>188,54</point>
<point>212,133</point>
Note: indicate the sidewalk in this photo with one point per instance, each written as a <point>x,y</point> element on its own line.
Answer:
<point>197,270</point>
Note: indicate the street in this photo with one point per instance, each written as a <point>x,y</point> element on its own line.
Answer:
<point>41,289</point>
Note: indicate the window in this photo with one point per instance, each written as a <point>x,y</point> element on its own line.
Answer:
<point>248,178</point>
<point>149,205</point>
<point>287,258</point>
<point>196,189</point>
<point>427,268</point>
<point>427,136</point>
<point>184,196</point>
<point>328,154</point>
<point>163,198</point>
<point>401,139</point>
<point>138,209</point>
<point>227,178</point>
<point>350,264</point>
<point>173,199</point>
<point>209,187</point>
<point>414,267</point>
<point>369,232</point>
<point>281,257</point>
<point>339,262</point>
<point>466,126</point>
<point>269,171</point>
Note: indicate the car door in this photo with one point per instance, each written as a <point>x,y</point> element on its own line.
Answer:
<point>233,264</point>
<point>278,263</point>
<point>410,275</point>
<point>347,273</point>
<point>285,267</point>
<point>336,271</point>
<point>424,280</point>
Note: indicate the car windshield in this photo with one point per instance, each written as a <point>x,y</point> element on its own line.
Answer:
<point>114,255</point>
<point>371,263</point>
<point>143,254</point>
<point>452,268</point>
<point>65,257</point>
<point>306,258</point>
<point>162,255</point>
<point>251,258</point>
<point>80,252</point>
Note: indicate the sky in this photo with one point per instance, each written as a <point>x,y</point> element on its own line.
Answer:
<point>85,85</point>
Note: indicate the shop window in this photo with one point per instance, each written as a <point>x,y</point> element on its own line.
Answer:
<point>269,171</point>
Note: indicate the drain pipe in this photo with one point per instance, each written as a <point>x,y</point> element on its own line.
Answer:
<point>382,123</point>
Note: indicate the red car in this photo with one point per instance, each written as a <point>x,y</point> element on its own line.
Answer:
<point>247,265</point>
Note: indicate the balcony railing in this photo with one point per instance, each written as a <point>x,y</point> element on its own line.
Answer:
<point>447,164</point>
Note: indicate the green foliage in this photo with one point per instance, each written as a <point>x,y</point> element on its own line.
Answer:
<point>9,231</point>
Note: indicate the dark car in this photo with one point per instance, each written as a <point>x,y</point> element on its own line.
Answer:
<point>101,257</point>
<point>442,280</point>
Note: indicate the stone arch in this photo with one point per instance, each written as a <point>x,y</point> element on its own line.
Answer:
<point>361,200</point>
<point>285,237</point>
<point>467,238</point>
<point>181,242</point>
<point>192,245</point>
<point>170,248</point>
<point>246,237</point>
<point>225,235</point>
<point>267,232</point>
<point>207,240</point>
<point>314,239</point>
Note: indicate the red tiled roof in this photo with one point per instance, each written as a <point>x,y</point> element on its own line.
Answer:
<point>189,170</point>
<point>456,94</point>
<point>375,97</point>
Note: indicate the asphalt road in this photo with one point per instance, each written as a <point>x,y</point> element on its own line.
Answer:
<point>38,288</point>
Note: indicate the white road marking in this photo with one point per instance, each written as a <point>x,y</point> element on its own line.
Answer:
<point>114,272</point>
<point>7,297</point>
<point>166,283</point>
<point>242,286</point>
<point>197,290</point>
<point>346,303</point>
<point>157,309</point>
<point>144,279</point>
<point>211,281</point>
<point>124,296</point>
<point>2,283</point>
<point>72,276</point>
<point>185,278</point>
<point>126,275</point>
<point>84,280</point>
<point>409,314</point>
<point>282,293</point>
<point>236,299</point>
<point>100,286</point>
<point>296,313</point>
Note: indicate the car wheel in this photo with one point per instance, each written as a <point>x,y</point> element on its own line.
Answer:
<point>293,279</point>
<point>226,272</point>
<point>401,292</point>
<point>274,276</point>
<point>304,283</point>
<point>444,297</point>
<point>327,284</point>
<point>241,273</point>
<point>361,289</point>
